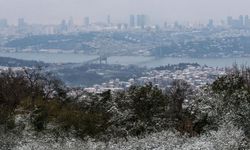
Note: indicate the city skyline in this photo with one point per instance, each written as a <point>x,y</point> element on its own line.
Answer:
<point>53,11</point>
<point>137,20</point>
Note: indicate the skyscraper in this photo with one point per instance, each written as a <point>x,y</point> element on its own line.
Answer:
<point>138,20</point>
<point>141,20</point>
<point>241,21</point>
<point>165,25</point>
<point>108,20</point>
<point>247,22</point>
<point>63,26</point>
<point>132,21</point>
<point>229,20</point>
<point>3,23</point>
<point>71,22</point>
<point>21,23</point>
<point>210,23</point>
<point>86,21</point>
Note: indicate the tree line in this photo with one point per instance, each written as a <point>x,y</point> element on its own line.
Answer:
<point>47,104</point>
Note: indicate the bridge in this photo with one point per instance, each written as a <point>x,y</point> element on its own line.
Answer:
<point>102,59</point>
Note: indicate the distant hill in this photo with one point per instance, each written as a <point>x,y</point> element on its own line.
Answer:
<point>12,62</point>
<point>63,42</point>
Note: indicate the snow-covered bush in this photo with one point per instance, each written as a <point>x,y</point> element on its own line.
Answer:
<point>227,137</point>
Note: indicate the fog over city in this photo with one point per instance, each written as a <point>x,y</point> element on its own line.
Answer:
<point>53,11</point>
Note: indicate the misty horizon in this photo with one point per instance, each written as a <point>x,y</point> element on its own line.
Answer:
<point>159,11</point>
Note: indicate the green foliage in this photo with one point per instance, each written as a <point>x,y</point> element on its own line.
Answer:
<point>39,118</point>
<point>233,91</point>
<point>147,102</point>
<point>140,110</point>
<point>84,124</point>
<point>7,118</point>
<point>13,88</point>
<point>228,84</point>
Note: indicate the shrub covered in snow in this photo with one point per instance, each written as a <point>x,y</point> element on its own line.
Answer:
<point>228,137</point>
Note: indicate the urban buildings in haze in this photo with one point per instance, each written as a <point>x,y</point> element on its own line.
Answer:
<point>3,23</point>
<point>241,22</point>
<point>132,21</point>
<point>210,23</point>
<point>21,23</point>
<point>108,20</point>
<point>86,21</point>
<point>140,20</point>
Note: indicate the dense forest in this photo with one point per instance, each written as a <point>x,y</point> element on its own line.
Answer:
<point>38,111</point>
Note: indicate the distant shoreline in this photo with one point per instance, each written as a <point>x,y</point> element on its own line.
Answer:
<point>147,61</point>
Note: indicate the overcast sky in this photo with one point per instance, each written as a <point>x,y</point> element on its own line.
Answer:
<point>52,11</point>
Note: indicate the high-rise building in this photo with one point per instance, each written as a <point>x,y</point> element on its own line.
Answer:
<point>21,23</point>
<point>63,26</point>
<point>138,20</point>
<point>71,22</point>
<point>177,25</point>
<point>108,20</point>
<point>241,21</point>
<point>165,25</point>
<point>86,21</point>
<point>236,23</point>
<point>141,20</point>
<point>247,22</point>
<point>132,21</point>
<point>229,20</point>
<point>3,23</point>
<point>210,23</point>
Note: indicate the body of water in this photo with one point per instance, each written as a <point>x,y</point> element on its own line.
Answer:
<point>125,60</point>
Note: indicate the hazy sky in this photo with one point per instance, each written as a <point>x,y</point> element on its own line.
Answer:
<point>52,11</point>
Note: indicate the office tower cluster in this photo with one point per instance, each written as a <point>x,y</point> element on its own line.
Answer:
<point>138,20</point>
<point>66,25</point>
<point>241,22</point>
